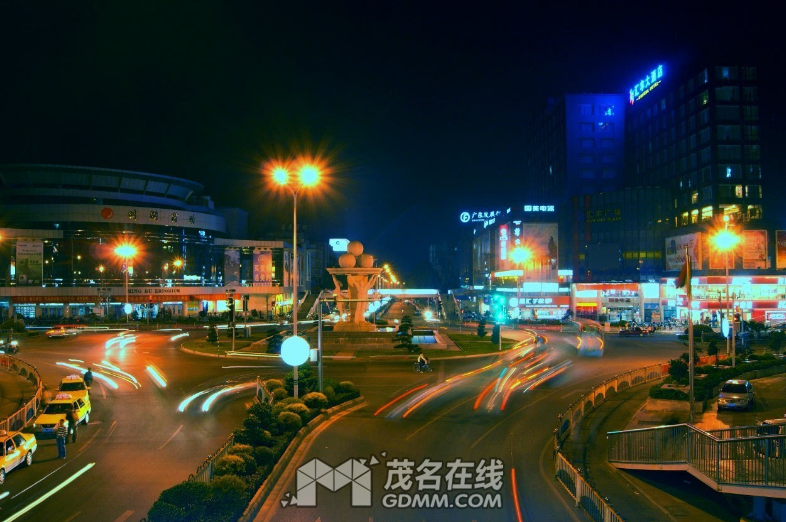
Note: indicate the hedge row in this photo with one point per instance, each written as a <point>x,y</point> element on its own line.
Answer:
<point>267,431</point>
<point>714,377</point>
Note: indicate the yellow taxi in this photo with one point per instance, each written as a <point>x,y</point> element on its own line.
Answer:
<point>17,448</point>
<point>59,408</point>
<point>73,385</point>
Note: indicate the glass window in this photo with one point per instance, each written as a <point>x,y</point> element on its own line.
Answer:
<point>728,133</point>
<point>693,161</point>
<point>681,92</point>
<point>607,158</point>
<point>753,191</point>
<point>692,141</point>
<point>704,136</point>
<point>749,74</point>
<point>609,173</point>
<point>751,112</point>
<point>605,127</point>
<point>754,212</point>
<point>738,191</point>
<point>752,132</point>
<point>705,174</point>
<point>729,94</point>
<point>704,117</point>
<point>585,109</point>
<point>706,155</point>
<point>683,128</point>
<point>703,77</point>
<point>588,143</point>
<point>706,194</point>
<point>752,152</point>
<point>694,197</point>
<point>691,86</point>
<point>694,216</point>
<point>607,143</point>
<point>726,113</point>
<point>750,94</point>
<point>730,171</point>
<point>586,127</point>
<point>729,152</point>
<point>754,171</point>
<point>692,105</point>
<point>684,220</point>
<point>607,110</point>
<point>586,158</point>
<point>588,174</point>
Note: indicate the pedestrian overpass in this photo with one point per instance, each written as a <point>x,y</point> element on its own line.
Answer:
<point>741,461</point>
<point>413,293</point>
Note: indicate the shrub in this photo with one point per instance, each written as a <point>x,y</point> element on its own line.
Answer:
<point>245,452</point>
<point>280,394</point>
<point>15,326</point>
<point>291,400</point>
<point>345,386</point>
<point>238,449</point>
<point>289,421</point>
<point>315,401</point>
<point>273,384</point>
<point>265,456</point>
<point>678,369</point>
<point>187,498</point>
<point>228,499</point>
<point>164,512</point>
<point>230,465</point>
<point>301,410</point>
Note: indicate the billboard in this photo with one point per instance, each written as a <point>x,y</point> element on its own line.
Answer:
<point>29,262</point>
<point>263,267</point>
<point>675,251</point>
<point>754,249</point>
<point>540,239</point>
<point>231,266</point>
<point>780,249</point>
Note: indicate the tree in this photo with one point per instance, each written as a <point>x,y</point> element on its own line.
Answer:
<point>678,369</point>
<point>404,335</point>
<point>482,327</point>
<point>495,334</point>
<point>712,349</point>
<point>776,341</point>
<point>212,335</point>
<point>274,340</point>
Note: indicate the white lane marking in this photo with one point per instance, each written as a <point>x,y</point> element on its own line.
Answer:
<point>570,393</point>
<point>112,428</point>
<point>3,495</point>
<point>86,444</point>
<point>49,493</point>
<point>35,483</point>
<point>72,517</point>
<point>124,516</point>
<point>172,437</point>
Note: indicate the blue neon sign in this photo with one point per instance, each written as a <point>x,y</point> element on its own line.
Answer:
<point>646,85</point>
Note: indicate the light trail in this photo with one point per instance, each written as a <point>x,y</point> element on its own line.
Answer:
<point>400,397</point>
<point>483,394</point>
<point>97,375</point>
<point>117,372</point>
<point>206,405</point>
<point>515,495</point>
<point>429,396</point>
<point>190,398</point>
<point>156,375</point>
<point>53,491</point>
<point>178,336</point>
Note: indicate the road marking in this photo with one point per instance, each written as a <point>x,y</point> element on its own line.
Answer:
<point>3,495</point>
<point>435,419</point>
<point>38,482</point>
<point>112,428</point>
<point>86,444</point>
<point>72,517</point>
<point>570,393</point>
<point>53,491</point>
<point>170,438</point>
<point>124,516</point>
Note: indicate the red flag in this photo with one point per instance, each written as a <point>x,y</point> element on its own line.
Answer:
<point>683,281</point>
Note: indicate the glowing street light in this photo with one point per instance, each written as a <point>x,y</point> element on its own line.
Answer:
<point>126,252</point>
<point>520,255</point>
<point>726,241</point>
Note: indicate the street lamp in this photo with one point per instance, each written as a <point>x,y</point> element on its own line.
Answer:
<point>126,252</point>
<point>725,241</point>
<point>177,264</point>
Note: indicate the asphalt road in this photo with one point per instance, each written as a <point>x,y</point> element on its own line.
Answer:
<point>439,422</point>
<point>137,442</point>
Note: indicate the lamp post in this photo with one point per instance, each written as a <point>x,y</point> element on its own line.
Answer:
<point>126,252</point>
<point>725,241</point>
<point>308,176</point>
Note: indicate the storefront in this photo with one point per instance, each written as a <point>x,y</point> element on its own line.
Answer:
<point>616,301</point>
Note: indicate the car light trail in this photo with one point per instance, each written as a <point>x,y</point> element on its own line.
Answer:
<point>76,360</point>
<point>413,390</point>
<point>190,398</point>
<point>117,372</point>
<point>156,375</point>
<point>53,491</point>
<point>3,495</point>
<point>178,336</point>
<point>500,377</point>
<point>483,394</point>
<point>507,394</point>
<point>515,495</point>
<point>206,405</point>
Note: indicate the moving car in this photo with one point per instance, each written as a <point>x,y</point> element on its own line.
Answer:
<point>634,331</point>
<point>59,408</point>
<point>736,395</point>
<point>60,331</point>
<point>17,449</point>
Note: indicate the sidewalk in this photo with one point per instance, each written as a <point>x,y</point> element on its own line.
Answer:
<point>15,391</point>
<point>651,496</point>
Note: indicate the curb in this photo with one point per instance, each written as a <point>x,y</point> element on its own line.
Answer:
<point>260,497</point>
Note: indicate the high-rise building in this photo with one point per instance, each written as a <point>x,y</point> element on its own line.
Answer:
<point>695,131</point>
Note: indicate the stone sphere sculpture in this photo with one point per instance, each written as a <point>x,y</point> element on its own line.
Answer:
<point>366,260</point>
<point>347,260</point>
<point>355,248</point>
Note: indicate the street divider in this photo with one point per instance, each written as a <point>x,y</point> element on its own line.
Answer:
<point>26,413</point>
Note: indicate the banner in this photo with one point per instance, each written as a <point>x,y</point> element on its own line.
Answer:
<point>263,268</point>
<point>231,266</point>
<point>29,262</point>
<point>675,251</point>
<point>539,239</point>
<point>754,249</point>
<point>780,249</point>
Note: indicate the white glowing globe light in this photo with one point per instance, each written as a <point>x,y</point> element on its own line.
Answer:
<point>294,351</point>
<point>725,327</point>
<point>377,304</point>
<point>514,302</point>
<point>428,315</point>
<point>128,308</point>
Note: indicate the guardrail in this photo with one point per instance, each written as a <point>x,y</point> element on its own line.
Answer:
<point>25,414</point>
<point>584,496</point>
<point>206,470</point>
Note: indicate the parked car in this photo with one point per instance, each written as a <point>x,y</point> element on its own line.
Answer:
<point>16,449</point>
<point>636,331</point>
<point>736,395</point>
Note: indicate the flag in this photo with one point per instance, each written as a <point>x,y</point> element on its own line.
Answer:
<point>683,281</point>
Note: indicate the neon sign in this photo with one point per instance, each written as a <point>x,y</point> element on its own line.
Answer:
<point>646,85</point>
<point>538,208</point>
<point>478,217</point>
<point>503,242</point>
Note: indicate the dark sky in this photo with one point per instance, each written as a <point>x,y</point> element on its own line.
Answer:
<point>424,109</point>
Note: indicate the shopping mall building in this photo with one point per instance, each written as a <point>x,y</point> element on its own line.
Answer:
<point>60,226</point>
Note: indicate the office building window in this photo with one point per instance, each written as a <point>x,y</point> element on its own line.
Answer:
<point>693,161</point>
<point>682,112</point>
<point>586,127</point>
<point>751,112</point>
<point>730,171</point>
<point>694,197</point>
<point>587,158</point>
<point>663,104</point>
<point>705,174</point>
<point>704,98</point>
<point>728,133</point>
<point>738,191</point>
<point>753,191</point>
<point>750,94</point>
<point>754,212</point>
<point>727,113</point>
<point>607,158</point>
<point>692,141</point>
<point>683,128</point>
<point>749,74</point>
<point>704,136</point>
<point>585,109</point>
<point>752,132</point>
<point>606,127</point>
<point>704,117</point>
<point>706,193</point>
<point>754,172</point>
<point>705,156</point>
<point>588,174</point>
<point>607,143</point>
<point>729,152</point>
<point>726,73</point>
<point>727,94</point>
<point>694,216</point>
<point>609,173</point>
<point>607,110</point>
<point>681,92</point>
<point>691,86</point>
<point>692,124</point>
<point>684,220</point>
<point>703,77</point>
<point>752,153</point>
<point>588,143</point>
<point>706,213</point>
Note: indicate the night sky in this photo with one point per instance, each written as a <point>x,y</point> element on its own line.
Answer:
<point>424,110</point>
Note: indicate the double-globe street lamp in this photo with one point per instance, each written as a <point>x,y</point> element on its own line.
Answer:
<point>126,252</point>
<point>726,241</point>
<point>307,176</point>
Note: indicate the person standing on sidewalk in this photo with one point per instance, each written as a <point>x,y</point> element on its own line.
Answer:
<point>61,433</point>
<point>73,423</point>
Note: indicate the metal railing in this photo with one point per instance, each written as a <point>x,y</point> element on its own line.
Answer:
<point>206,471</point>
<point>26,412</point>
<point>595,505</point>
<point>743,456</point>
